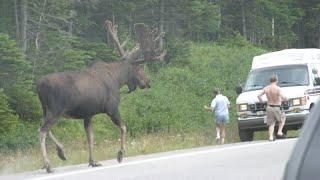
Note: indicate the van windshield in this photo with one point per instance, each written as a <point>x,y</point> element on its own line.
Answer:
<point>293,75</point>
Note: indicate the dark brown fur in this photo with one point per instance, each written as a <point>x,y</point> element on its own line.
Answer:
<point>83,94</point>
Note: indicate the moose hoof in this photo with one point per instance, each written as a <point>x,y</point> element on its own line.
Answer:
<point>94,164</point>
<point>120,156</point>
<point>48,168</point>
<point>61,154</point>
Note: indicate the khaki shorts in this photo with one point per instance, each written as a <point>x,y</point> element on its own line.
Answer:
<point>274,114</point>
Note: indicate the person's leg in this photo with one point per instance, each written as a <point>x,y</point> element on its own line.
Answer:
<point>271,131</point>
<point>218,131</point>
<point>281,124</point>
<point>271,121</point>
<point>224,124</point>
<point>223,132</point>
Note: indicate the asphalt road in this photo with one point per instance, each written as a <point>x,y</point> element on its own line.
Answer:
<point>261,160</point>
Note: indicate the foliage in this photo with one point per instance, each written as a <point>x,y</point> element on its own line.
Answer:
<point>16,80</point>
<point>66,35</point>
<point>63,52</point>
<point>175,101</point>
<point>8,120</point>
<point>235,40</point>
<point>14,133</point>
<point>174,104</point>
<point>178,51</point>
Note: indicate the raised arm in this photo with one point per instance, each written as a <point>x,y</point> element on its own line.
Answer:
<point>207,108</point>
<point>212,106</point>
<point>228,103</point>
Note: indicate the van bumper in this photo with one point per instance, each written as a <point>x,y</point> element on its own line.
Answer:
<point>293,121</point>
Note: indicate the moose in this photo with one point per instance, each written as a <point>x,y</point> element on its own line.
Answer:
<point>96,89</point>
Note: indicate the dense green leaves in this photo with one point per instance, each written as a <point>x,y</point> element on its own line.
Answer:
<point>175,101</point>
<point>8,120</point>
<point>16,80</point>
<point>64,35</point>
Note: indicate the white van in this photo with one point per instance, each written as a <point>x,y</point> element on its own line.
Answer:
<point>298,72</point>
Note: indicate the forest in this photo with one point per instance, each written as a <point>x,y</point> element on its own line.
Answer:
<point>209,43</point>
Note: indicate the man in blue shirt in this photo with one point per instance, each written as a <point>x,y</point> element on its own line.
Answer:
<point>220,105</point>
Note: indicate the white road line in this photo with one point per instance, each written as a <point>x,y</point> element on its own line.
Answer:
<point>157,159</point>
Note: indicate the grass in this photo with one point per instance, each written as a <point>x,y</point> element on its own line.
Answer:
<point>77,153</point>
<point>170,116</point>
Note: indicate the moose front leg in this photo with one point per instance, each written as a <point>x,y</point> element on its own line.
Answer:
<point>59,147</point>
<point>115,117</point>
<point>122,147</point>
<point>89,132</point>
<point>43,133</point>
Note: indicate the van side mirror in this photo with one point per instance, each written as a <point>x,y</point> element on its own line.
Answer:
<point>316,81</point>
<point>314,71</point>
<point>238,90</point>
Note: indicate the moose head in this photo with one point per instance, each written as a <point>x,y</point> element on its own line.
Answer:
<point>146,48</point>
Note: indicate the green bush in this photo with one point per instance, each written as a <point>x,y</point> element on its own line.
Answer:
<point>66,53</point>
<point>16,80</point>
<point>14,133</point>
<point>234,40</point>
<point>8,120</point>
<point>178,93</point>
<point>178,51</point>
<point>173,104</point>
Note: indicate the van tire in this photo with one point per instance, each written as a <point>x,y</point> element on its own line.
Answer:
<point>245,135</point>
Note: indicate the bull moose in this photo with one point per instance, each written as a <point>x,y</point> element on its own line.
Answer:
<point>96,89</point>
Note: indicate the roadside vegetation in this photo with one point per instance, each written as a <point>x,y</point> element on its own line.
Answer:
<point>210,44</point>
<point>167,116</point>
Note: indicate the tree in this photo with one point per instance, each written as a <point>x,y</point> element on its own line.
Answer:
<point>16,80</point>
<point>8,120</point>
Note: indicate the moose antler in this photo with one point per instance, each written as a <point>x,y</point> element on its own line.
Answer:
<point>147,43</point>
<point>113,30</point>
<point>148,39</point>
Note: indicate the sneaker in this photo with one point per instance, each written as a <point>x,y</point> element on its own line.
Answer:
<point>281,136</point>
<point>272,139</point>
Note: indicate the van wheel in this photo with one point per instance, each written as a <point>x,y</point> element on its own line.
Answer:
<point>245,135</point>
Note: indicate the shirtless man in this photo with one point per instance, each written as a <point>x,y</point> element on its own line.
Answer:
<point>274,109</point>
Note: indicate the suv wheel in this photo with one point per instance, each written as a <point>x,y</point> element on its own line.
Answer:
<point>245,135</point>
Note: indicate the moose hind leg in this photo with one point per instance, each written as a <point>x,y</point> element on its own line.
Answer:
<point>89,132</point>
<point>59,147</point>
<point>115,117</point>
<point>43,133</point>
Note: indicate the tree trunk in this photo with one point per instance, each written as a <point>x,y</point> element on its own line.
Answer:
<point>70,27</point>
<point>38,36</point>
<point>243,16</point>
<point>39,25</point>
<point>161,22</point>
<point>23,35</point>
<point>220,16</point>
<point>272,26</point>
<point>16,14</point>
